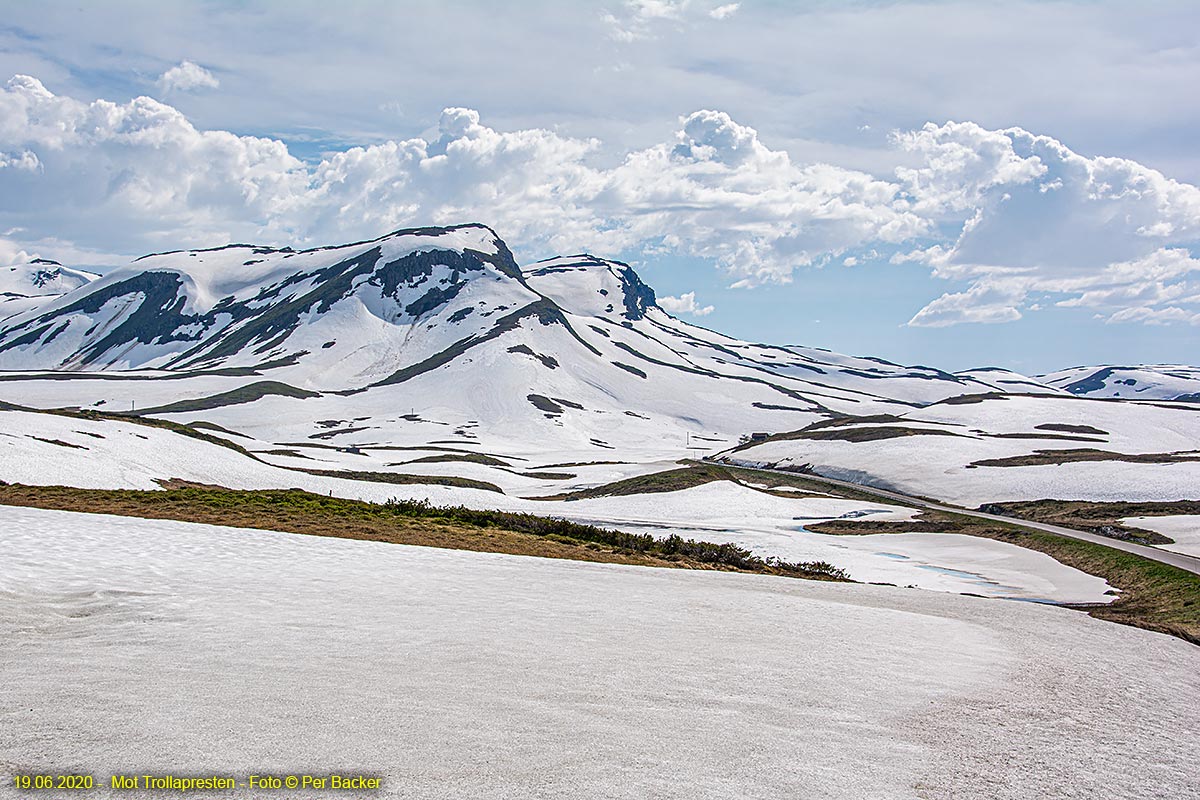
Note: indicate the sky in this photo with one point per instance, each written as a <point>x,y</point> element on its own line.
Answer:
<point>956,184</point>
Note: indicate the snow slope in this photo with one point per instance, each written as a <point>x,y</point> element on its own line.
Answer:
<point>1007,381</point>
<point>431,352</point>
<point>774,526</point>
<point>198,650</point>
<point>27,286</point>
<point>1146,382</point>
<point>1183,528</point>
<point>998,448</point>
<point>571,348</point>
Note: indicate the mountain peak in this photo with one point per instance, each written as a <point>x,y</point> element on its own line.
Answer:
<point>587,284</point>
<point>245,305</point>
<point>488,238</point>
<point>23,286</point>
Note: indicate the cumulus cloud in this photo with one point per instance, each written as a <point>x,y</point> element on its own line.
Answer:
<point>1073,212</point>
<point>140,167</point>
<point>1028,209</point>
<point>983,302</point>
<point>187,76</point>
<point>10,253</point>
<point>23,160</point>
<point>719,193</point>
<point>685,304</point>
<point>721,12</point>
<point>139,175</point>
<point>1012,219</point>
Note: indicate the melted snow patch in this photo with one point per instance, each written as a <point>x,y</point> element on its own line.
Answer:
<point>1183,528</point>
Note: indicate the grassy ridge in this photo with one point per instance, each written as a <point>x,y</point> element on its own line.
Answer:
<point>242,394</point>
<point>149,422</point>
<point>401,479</point>
<point>671,480</point>
<point>698,473</point>
<point>1103,518</point>
<point>409,522</point>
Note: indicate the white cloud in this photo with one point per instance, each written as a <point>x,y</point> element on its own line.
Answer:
<point>24,160</point>
<point>187,76</point>
<point>685,304</point>
<point>1029,203</point>
<point>138,175</point>
<point>1157,316</point>
<point>637,19</point>
<point>719,193</point>
<point>1039,216</point>
<point>10,253</point>
<point>1012,218</point>
<point>983,302</point>
<point>657,9</point>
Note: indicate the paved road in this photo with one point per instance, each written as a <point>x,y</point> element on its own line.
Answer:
<point>1189,563</point>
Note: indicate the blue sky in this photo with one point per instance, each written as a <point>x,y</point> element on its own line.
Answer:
<point>949,183</point>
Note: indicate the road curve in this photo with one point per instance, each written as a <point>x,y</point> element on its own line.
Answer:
<point>1184,562</point>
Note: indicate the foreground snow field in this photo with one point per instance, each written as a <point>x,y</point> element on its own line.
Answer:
<point>173,647</point>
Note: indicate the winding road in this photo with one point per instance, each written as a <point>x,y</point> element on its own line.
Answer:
<point>1180,560</point>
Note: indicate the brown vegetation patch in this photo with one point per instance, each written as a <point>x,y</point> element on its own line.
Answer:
<point>401,479</point>
<point>1102,518</point>
<point>849,431</point>
<point>407,522</point>
<point>1040,458</point>
<point>1086,429</point>
<point>1056,436</point>
<point>471,458</point>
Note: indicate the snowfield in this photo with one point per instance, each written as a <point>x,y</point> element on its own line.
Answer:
<point>134,645</point>
<point>46,449</point>
<point>1183,528</point>
<point>27,286</point>
<point>1147,381</point>
<point>938,448</point>
<point>774,526</point>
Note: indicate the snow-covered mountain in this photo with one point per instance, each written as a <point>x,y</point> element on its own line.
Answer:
<point>1145,382</point>
<point>429,342</point>
<point>429,300</point>
<point>432,352</point>
<point>27,286</point>
<point>1007,381</point>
